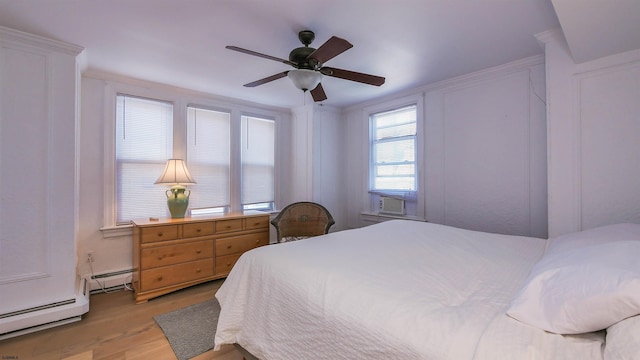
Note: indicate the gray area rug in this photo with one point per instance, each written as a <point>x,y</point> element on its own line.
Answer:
<point>191,330</point>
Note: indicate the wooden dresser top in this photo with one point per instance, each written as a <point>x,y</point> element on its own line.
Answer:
<point>198,218</point>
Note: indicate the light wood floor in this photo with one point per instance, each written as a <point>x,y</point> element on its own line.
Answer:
<point>114,328</point>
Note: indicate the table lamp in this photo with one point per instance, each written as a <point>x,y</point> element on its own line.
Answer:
<point>176,174</point>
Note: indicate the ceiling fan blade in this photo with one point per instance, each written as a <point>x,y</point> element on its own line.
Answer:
<point>353,76</point>
<point>330,49</point>
<point>318,93</point>
<point>267,79</point>
<point>254,53</point>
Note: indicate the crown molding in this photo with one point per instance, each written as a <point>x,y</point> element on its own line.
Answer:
<point>476,76</point>
<point>15,36</point>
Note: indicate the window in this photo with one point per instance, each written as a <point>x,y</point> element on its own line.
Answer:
<point>393,151</point>
<point>230,155</point>
<point>258,170</point>
<point>208,158</point>
<point>144,142</point>
<point>209,153</point>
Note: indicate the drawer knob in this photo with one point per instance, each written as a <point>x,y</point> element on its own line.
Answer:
<point>198,230</point>
<point>258,241</point>
<point>229,264</point>
<point>229,246</point>
<point>159,278</point>
<point>159,257</point>
<point>198,270</point>
<point>198,251</point>
<point>160,234</point>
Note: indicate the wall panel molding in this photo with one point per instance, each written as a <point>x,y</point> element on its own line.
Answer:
<point>606,162</point>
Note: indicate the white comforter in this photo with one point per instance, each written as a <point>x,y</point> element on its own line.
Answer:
<point>395,290</point>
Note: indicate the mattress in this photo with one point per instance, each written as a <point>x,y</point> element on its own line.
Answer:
<point>398,289</point>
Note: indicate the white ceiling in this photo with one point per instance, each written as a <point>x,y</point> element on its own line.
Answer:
<point>597,28</point>
<point>182,43</point>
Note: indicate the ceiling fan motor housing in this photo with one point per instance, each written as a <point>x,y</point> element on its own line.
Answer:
<point>299,56</point>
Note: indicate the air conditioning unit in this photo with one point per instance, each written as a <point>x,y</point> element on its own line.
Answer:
<point>391,206</point>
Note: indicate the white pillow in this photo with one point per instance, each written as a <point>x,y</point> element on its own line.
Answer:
<point>623,340</point>
<point>600,235</point>
<point>583,289</point>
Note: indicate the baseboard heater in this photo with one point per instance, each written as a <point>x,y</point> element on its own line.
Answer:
<point>43,317</point>
<point>37,308</point>
<point>106,275</point>
<point>110,281</point>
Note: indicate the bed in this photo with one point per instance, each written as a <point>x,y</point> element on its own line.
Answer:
<point>413,290</point>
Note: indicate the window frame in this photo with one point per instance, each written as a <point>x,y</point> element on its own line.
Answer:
<point>112,90</point>
<point>221,208</point>
<point>271,206</point>
<point>374,164</point>
<point>414,200</point>
<point>120,164</point>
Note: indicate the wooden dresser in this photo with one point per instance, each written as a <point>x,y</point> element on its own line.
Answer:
<point>171,254</point>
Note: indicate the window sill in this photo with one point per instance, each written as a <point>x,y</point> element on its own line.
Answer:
<point>378,217</point>
<point>117,231</point>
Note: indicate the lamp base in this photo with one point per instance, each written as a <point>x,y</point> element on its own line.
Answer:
<point>178,201</point>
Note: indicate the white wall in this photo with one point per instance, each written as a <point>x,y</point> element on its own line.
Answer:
<point>328,188</point>
<point>317,158</point>
<point>38,182</point>
<point>355,167</point>
<point>301,154</point>
<point>594,142</point>
<point>111,253</point>
<point>491,166</point>
<point>484,155</point>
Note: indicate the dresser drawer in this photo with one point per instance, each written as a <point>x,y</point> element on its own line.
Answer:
<point>158,233</point>
<point>257,222</point>
<point>175,254</point>
<point>241,243</point>
<point>229,225</point>
<point>224,264</point>
<point>175,274</point>
<point>172,254</point>
<point>197,229</point>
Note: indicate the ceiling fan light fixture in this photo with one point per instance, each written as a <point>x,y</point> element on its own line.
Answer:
<point>305,79</point>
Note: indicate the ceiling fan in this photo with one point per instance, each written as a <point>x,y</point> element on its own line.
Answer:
<point>309,65</point>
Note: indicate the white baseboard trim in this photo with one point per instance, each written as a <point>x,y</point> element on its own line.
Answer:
<point>33,329</point>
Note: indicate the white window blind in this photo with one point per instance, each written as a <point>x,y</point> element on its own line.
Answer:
<point>144,142</point>
<point>258,149</point>
<point>208,157</point>
<point>393,150</point>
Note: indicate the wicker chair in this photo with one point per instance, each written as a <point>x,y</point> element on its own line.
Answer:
<point>301,220</point>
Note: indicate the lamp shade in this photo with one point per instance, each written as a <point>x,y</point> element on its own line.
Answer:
<point>305,79</point>
<point>175,172</point>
